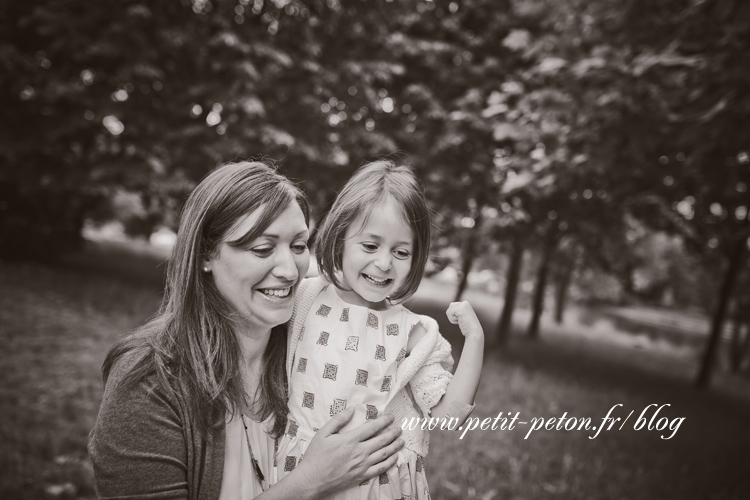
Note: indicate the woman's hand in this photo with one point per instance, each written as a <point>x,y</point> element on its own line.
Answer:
<point>335,461</point>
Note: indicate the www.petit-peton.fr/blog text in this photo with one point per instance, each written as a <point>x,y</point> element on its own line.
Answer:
<point>648,419</point>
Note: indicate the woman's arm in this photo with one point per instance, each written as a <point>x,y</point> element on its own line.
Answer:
<point>139,449</point>
<point>139,446</point>
<point>337,461</point>
<point>463,386</point>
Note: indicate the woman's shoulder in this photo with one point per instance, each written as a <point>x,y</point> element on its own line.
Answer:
<point>133,382</point>
<point>139,424</point>
<point>125,360</point>
<point>135,399</point>
<point>132,378</point>
<point>127,356</point>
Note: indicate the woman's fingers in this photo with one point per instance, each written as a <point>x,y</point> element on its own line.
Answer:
<point>383,441</point>
<point>336,460</point>
<point>385,453</point>
<point>381,467</point>
<point>337,422</point>
<point>372,427</point>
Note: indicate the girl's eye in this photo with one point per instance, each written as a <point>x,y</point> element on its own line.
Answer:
<point>299,248</point>
<point>401,254</point>
<point>370,247</point>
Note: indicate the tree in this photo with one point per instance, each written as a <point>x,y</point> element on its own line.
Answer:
<point>146,97</point>
<point>689,97</point>
<point>512,278</point>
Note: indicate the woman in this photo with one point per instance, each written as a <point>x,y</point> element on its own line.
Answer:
<point>194,398</point>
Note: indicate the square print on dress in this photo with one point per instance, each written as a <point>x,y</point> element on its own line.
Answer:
<point>330,371</point>
<point>361,377</point>
<point>352,343</point>
<point>337,406</point>
<point>323,310</point>
<point>308,400</point>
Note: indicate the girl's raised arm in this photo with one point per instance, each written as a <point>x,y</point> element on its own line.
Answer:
<point>459,397</point>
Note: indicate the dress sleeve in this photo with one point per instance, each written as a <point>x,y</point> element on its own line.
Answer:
<point>431,380</point>
<point>138,445</point>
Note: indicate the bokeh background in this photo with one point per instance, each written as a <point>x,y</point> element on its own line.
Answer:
<point>587,163</point>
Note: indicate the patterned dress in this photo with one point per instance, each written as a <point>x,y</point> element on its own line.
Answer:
<point>347,357</point>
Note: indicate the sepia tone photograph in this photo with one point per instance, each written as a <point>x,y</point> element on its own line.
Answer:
<point>384,249</point>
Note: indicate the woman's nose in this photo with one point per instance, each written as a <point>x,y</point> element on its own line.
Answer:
<point>286,266</point>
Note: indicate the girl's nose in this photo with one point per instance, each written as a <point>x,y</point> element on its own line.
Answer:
<point>383,261</point>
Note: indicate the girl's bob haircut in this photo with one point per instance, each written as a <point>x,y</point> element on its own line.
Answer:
<point>371,184</point>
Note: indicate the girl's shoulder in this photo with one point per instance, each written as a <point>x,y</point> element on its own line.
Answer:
<point>418,326</point>
<point>418,320</point>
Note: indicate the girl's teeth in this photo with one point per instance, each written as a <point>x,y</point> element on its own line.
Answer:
<point>277,293</point>
<point>377,282</point>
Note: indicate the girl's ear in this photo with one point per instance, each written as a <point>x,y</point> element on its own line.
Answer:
<point>206,266</point>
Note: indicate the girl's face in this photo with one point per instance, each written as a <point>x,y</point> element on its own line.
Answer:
<point>259,280</point>
<point>377,257</point>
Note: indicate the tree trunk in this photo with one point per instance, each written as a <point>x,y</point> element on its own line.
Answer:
<point>735,348</point>
<point>730,276</point>
<point>561,292</point>
<point>745,345</point>
<point>469,254</point>
<point>540,287</point>
<point>513,275</point>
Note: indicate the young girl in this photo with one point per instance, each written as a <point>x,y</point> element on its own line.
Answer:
<point>353,346</point>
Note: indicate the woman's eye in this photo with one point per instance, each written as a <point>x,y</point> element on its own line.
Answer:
<point>299,248</point>
<point>369,247</point>
<point>262,251</point>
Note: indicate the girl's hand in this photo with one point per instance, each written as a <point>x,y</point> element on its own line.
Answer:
<point>335,461</point>
<point>462,314</point>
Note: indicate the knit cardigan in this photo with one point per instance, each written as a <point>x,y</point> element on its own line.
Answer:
<point>146,444</point>
<point>425,369</point>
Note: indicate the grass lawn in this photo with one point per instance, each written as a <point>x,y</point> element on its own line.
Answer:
<point>56,324</point>
<point>584,371</point>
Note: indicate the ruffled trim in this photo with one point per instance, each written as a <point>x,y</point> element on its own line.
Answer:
<point>428,386</point>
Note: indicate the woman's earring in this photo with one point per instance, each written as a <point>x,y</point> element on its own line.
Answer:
<point>206,269</point>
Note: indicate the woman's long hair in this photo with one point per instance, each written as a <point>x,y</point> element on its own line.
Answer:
<point>192,344</point>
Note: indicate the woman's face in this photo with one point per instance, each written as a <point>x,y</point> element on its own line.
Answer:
<point>259,280</point>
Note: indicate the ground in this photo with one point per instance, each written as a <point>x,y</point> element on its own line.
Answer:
<point>57,322</point>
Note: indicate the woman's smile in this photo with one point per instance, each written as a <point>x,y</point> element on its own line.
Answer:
<point>276,292</point>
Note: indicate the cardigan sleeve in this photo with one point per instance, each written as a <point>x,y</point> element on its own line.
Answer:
<point>431,380</point>
<point>304,297</point>
<point>139,446</point>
